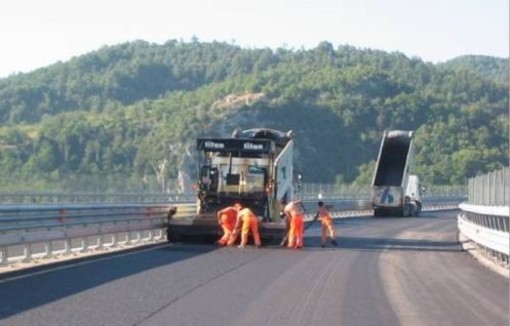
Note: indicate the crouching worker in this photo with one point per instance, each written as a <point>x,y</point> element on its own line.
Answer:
<point>327,224</point>
<point>247,221</point>
<point>227,220</point>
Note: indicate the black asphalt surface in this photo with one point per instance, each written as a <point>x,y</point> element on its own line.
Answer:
<point>386,271</point>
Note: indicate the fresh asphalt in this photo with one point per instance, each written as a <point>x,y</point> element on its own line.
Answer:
<point>385,271</point>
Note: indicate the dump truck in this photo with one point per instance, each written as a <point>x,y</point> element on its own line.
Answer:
<point>395,192</point>
<point>253,166</point>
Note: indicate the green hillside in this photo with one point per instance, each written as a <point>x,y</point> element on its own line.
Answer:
<point>496,69</point>
<point>111,117</point>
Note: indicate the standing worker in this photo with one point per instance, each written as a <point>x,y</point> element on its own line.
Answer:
<point>227,220</point>
<point>327,224</point>
<point>249,222</point>
<point>295,217</point>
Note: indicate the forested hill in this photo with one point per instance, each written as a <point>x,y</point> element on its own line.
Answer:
<point>487,67</point>
<point>119,112</point>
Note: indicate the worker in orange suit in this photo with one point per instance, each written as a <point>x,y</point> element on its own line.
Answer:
<point>327,224</point>
<point>295,216</point>
<point>249,223</point>
<point>227,220</point>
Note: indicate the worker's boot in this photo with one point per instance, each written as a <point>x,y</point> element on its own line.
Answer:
<point>334,242</point>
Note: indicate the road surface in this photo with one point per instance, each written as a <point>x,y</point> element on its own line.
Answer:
<point>386,271</point>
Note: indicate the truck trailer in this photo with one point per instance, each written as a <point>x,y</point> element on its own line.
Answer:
<point>254,167</point>
<point>395,192</point>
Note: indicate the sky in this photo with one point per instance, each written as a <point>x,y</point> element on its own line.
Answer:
<point>36,33</point>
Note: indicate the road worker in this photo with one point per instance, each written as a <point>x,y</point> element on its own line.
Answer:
<point>327,224</point>
<point>294,216</point>
<point>249,223</point>
<point>227,220</point>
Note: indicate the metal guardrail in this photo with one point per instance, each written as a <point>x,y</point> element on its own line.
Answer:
<point>488,228</point>
<point>60,198</point>
<point>34,231</point>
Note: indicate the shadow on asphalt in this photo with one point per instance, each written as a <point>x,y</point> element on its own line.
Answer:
<point>30,288</point>
<point>380,244</point>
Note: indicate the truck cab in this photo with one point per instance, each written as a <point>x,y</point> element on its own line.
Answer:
<point>413,195</point>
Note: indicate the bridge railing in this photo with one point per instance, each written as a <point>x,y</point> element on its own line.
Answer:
<point>83,197</point>
<point>488,228</point>
<point>485,216</point>
<point>37,231</point>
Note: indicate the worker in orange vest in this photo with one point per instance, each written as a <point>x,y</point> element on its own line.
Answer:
<point>227,220</point>
<point>249,222</point>
<point>294,216</point>
<point>327,224</point>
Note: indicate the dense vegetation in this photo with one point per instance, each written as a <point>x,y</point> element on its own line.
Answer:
<point>123,115</point>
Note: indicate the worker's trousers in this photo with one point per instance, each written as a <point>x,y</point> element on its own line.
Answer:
<point>327,228</point>
<point>250,223</point>
<point>296,231</point>
<point>228,228</point>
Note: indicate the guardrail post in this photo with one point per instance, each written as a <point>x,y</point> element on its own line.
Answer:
<point>27,252</point>
<point>4,261</point>
<point>62,215</point>
<point>148,212</point>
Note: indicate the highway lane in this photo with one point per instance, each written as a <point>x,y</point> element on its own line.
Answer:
<point>391,271</point>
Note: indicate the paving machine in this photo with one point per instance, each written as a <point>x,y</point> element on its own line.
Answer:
<point>254,167</point>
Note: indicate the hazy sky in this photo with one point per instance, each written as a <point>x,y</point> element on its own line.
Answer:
<point>36,33</point>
